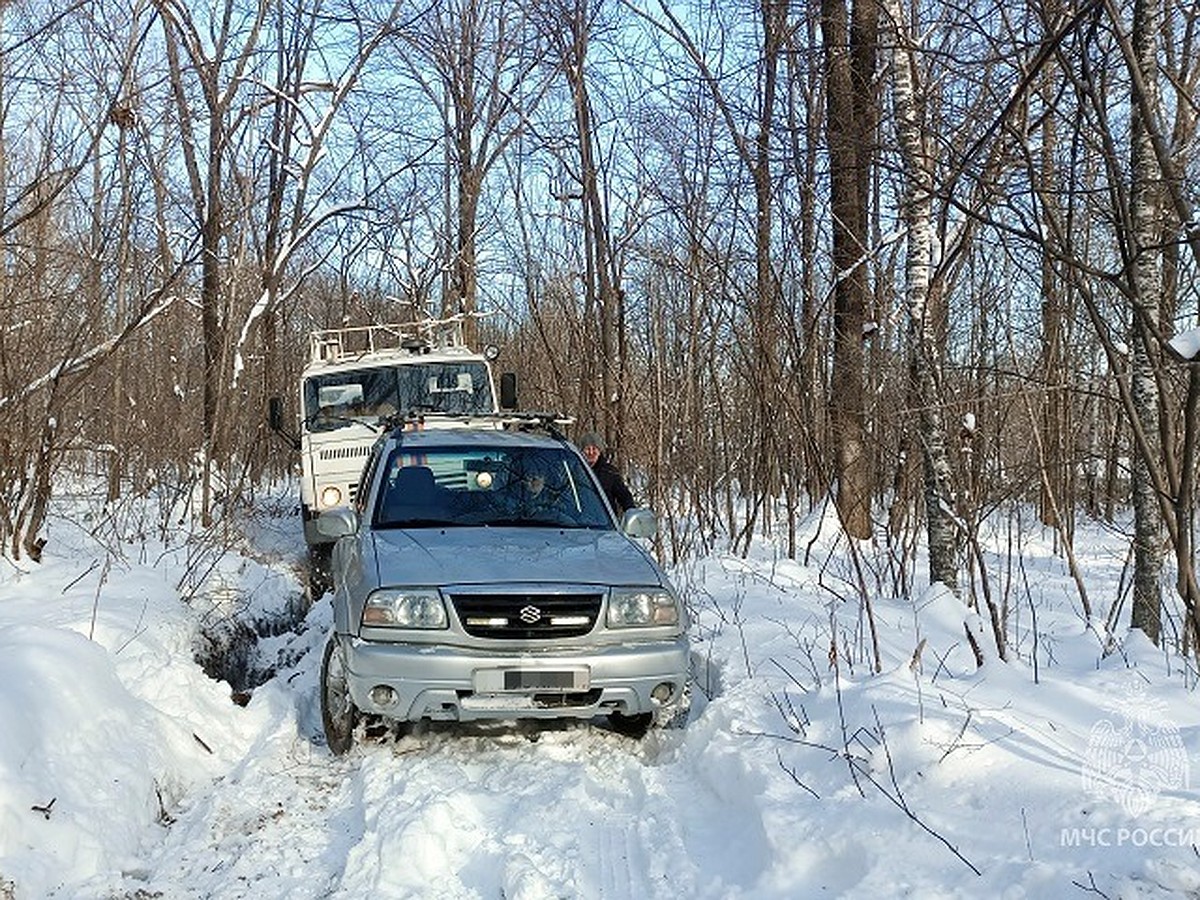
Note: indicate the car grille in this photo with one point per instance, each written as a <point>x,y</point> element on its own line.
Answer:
<point>527,616</point>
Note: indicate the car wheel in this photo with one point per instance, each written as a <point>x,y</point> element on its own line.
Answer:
<point>338,714</point>
<point>631,726</point>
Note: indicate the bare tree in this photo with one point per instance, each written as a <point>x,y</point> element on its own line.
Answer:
<point>753,126</point>
<point>570,24</point>
<point>53,335</point>
<point>220,72</point>
<point>488,78</point>
<point>850,35</point>
<point>303,114</point>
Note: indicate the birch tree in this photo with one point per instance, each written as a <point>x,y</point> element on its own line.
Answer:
<point>1156,188</point>
<point>917,213</point>
<point>1145,210</point>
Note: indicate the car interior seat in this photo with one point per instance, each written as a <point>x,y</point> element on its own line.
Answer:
<point>412,495</point>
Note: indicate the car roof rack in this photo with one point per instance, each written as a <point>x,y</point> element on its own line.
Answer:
<point>546,422</point>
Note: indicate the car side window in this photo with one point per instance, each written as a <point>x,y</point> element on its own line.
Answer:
<point>368,477</point>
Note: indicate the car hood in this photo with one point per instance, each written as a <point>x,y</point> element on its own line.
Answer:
<point>437,556</point>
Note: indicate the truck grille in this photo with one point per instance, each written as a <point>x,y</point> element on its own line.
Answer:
<point>329,453</point>
<point>527,616</point>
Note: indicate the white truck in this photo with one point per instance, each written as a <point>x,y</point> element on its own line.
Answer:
<point>357,381</point>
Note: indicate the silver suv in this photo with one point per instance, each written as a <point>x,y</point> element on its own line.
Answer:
<point>481,575</point>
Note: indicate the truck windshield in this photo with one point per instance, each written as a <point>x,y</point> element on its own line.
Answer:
<point>337,399</point>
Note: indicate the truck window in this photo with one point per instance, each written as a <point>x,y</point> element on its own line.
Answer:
<point>446,387</point>
<point>337,399</point>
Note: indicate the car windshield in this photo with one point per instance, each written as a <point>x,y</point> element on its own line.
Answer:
<point>338,399</point>
<point>533,487</point>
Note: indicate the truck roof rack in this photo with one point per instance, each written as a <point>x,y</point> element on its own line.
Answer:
<point>332,345</point>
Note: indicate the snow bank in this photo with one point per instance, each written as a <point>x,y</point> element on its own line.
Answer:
<point>125,771</point>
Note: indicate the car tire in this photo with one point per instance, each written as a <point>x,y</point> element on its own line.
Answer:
<point>634,726</point>
<point>338,713</point>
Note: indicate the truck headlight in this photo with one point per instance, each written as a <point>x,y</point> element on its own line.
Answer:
<point>405,608</point>
<point>642,608</point>
<point>331,496</point>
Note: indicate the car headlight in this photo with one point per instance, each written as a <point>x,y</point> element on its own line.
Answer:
<point>642,607</point>
<point>405,608</point>
<point>331,496</point>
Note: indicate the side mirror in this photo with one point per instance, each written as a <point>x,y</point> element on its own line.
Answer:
<point>275,413</point>
<point>639,523</point>
<point>337,522</point>
<point>508,390</point>
<point>275,421</point>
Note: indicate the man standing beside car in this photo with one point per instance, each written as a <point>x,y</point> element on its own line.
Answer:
<point>619,496</point>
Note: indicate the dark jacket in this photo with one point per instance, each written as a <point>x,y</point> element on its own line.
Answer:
<point>614,486</point>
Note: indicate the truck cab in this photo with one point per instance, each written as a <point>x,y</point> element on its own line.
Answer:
<point>357,379</point>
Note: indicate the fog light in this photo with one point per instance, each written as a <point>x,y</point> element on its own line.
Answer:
<point>382,695</point>
<point>662,692</point>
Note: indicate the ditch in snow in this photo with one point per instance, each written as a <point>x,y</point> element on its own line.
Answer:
<point>230,644</point>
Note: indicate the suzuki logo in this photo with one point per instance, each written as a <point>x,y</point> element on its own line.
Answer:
<point>530,614</point>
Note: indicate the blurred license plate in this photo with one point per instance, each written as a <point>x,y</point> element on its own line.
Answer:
<point>531,680</point>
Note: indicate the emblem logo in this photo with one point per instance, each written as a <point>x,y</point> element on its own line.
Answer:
<point>1136,755</point>
<point>530,614</point>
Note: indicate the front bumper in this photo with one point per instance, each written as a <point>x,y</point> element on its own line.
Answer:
<point>423,681</point>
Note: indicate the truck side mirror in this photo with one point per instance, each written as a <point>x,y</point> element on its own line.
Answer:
<point>275,413</point>
<point>275,420</point>
<point>508,390</point>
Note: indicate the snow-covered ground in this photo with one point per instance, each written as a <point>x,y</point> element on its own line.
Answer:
<point>126,772</point>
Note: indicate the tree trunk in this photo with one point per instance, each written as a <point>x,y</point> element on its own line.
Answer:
<point>850,47</point>
<point>923,346</point>
<point>1146,216</point>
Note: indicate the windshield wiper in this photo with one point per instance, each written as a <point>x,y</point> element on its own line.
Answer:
<point>420,523</point>
<point>530,523</point>
<point>324,421</point>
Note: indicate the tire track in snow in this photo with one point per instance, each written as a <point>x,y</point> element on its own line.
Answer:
<point>452,813</point>
<point>276,827</point>
<point>501,816</point>
<point>580,812</point>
